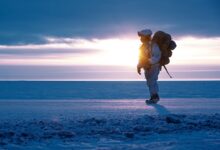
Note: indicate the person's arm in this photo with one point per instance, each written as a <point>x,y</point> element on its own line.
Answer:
<point>140,60</point>
<point>143,61</point>
<point>155,54</point>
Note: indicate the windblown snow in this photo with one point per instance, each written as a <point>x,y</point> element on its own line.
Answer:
<point>62,126</point>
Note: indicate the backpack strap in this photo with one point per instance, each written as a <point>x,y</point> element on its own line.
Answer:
<point>167,71</point>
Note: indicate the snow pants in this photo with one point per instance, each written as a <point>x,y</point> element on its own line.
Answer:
<point>151,76</point>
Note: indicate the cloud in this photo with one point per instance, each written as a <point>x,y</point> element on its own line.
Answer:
<point>54,46</point>
<point>28,22</point>
<point>114,51</point>
<point>40,52</point>
<point>71,51</point>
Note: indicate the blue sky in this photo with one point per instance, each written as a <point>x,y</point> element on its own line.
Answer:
<point>84,32</point>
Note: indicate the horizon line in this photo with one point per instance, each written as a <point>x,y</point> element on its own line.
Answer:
<point>102,80</point>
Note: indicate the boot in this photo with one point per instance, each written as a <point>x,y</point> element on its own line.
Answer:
<point>153,100</point>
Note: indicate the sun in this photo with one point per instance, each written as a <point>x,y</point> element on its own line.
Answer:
<point>121,52</point>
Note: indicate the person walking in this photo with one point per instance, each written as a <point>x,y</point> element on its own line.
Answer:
<point>149,61</point>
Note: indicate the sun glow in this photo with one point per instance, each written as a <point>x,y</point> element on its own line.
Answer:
<point>74,52</point>
<point>117,52</point>
<point>197,51</point>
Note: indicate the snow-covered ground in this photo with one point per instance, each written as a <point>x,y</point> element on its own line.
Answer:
<point>110,124</point>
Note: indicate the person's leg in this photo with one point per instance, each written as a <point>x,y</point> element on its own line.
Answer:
<point>146,73</point>
<point>152,80</point>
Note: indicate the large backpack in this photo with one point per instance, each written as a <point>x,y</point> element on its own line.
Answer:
<point>166,45</point>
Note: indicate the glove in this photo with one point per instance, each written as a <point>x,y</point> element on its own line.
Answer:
<point>138,69</point>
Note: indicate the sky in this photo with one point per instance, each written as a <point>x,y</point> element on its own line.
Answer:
<point>97,39</point>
